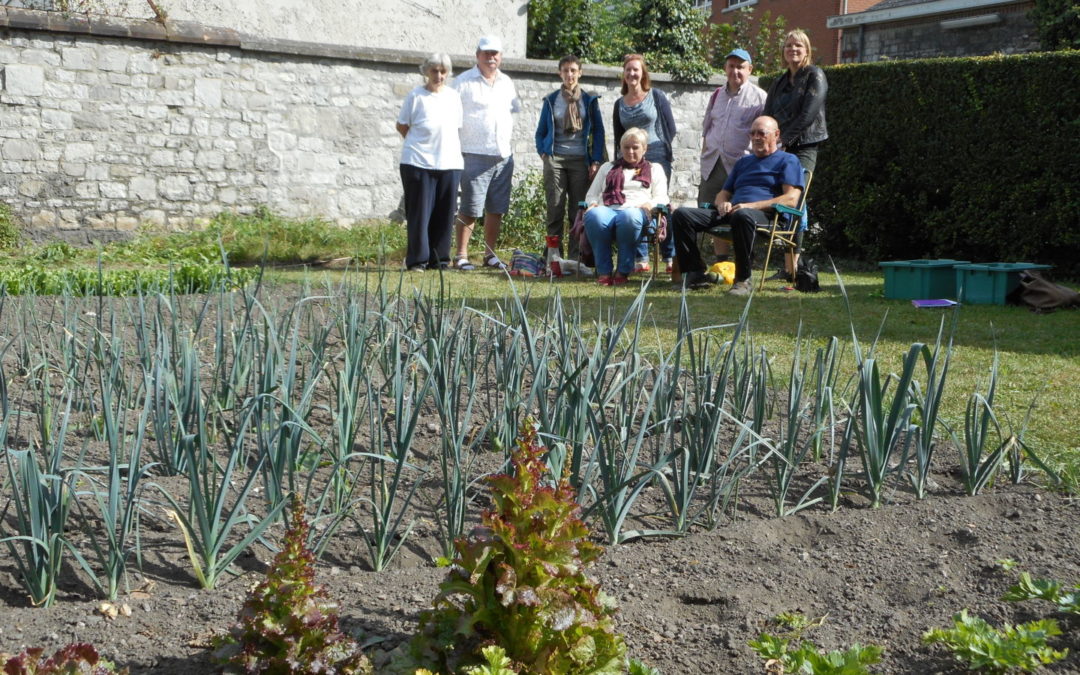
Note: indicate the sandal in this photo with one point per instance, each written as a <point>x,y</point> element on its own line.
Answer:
<point>462,263</point>
<point>493,262</point>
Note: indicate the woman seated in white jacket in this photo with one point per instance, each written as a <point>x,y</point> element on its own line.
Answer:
<point>620,201</point>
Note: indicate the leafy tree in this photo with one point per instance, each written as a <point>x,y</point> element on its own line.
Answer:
<point>1058,23</point>
<point>764,40</point>
<point>669,34</point>
<point>560,27</point>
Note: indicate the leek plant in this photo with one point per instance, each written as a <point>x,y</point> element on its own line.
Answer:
<point>794,445</point>
<point>824,414</point>
<point>929,402</point>
<point>42,503</point>
<point>452,350</point>
<point>977,465</point>
<point>118,502</point>
<point>391,432</point>
<point>883,427</point>
<point>217,498</point>
<point>619,417</point>
<point>701,390</point>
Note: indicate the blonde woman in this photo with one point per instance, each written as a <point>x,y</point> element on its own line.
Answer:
<point>647,108</point>
<point>796,101</point>
<point>620,200</point>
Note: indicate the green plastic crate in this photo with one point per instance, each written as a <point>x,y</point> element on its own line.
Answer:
<point>920,279</point>
<point>990,283</point>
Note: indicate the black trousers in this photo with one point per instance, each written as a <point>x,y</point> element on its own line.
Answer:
<point>430,205</point>
<point>687,222</point>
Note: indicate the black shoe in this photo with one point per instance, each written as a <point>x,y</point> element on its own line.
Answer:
<point>701,280</point>
<point>781,275</point>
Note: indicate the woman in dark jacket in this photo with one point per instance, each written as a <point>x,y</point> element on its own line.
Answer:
<point>797,101</point>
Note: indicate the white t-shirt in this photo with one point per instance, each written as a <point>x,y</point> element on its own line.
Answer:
<point>489,108</point>
<point>434,120</point>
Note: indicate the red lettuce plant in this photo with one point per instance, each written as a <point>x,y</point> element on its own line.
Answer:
<point>75,659</point>
<point>518,581</point>
<point>287,624</point>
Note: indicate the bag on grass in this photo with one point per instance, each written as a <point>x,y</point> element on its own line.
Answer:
<point>526,264</point>
<point>806,276</point>
<point>577,231</point>
<point>1042,295</point>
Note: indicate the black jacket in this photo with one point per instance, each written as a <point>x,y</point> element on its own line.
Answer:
<point>799,106</point>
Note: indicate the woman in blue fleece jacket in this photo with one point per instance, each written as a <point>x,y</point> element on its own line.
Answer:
<point>570,141</point>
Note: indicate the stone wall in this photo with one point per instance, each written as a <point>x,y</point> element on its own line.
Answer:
<point>106,126</point>
<point>436,25</point>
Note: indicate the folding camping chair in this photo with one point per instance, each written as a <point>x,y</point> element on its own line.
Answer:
<point>787,226</point>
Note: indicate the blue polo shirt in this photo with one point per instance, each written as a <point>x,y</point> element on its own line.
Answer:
<point>755,179</point>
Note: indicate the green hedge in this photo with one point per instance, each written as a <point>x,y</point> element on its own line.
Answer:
<point>974,158</point>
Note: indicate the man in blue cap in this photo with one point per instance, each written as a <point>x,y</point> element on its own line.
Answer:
<point>725,135</point>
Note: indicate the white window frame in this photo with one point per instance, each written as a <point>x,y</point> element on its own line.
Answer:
<point>732,5</point>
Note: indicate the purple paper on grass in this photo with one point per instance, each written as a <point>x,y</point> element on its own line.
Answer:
<point>933,303</point>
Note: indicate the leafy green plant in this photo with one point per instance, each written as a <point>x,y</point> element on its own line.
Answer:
<point>10,235</point>
<point>79,658</point>
<point>518,581</point>
<point>977,643</point>
<point>288,624</point>
<point>1044,589</point>
<point>781,656</point>
<point>524,226</point>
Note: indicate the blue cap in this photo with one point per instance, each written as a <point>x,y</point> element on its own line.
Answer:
<point>739,54</point>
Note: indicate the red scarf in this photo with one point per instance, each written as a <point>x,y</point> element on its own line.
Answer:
<point>613,186</point>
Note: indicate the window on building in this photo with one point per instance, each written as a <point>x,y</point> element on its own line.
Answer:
<point>731,4</point>
<point>704,5</point>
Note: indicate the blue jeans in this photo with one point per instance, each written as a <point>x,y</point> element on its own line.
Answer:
<point>603,225</point>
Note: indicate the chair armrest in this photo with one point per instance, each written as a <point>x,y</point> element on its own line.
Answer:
<point>787,210</point>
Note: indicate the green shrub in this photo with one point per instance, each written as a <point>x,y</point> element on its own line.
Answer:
<point>525,225</point>
<point>10,235</point>
<point>518,582</point>
<point>287,624</point>
<point>971,158</point>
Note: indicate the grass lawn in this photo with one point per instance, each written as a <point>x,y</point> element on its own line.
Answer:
<point>1038,353</point>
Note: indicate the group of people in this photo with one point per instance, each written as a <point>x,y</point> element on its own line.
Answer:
<point>756,148</point>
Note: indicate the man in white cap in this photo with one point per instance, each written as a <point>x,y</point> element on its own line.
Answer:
<point>725,135</point>
<point>488,99</point>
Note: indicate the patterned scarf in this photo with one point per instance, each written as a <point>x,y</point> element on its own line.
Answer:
<point>613,185</point>
<point>573,114</point>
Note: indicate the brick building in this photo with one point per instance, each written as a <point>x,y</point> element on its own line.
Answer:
<point>912,29</point>
<point>810,15</point>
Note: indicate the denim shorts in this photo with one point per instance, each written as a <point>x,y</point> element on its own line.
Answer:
<point>485,184</point>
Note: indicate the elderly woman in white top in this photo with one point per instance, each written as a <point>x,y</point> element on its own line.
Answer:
<point>620,200</point>
<point>431,164</point>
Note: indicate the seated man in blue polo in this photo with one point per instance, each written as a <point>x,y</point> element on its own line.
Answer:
<point>757,182</point>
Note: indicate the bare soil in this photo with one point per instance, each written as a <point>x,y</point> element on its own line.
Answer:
<point>688,605</point>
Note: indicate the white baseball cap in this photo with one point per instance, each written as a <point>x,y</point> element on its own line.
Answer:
<point>489,43</point>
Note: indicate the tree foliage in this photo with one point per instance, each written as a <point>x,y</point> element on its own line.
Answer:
<point>764,40</point>
<point>560,27</point>
<point>670,35</point>
<point>1058,23</point>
